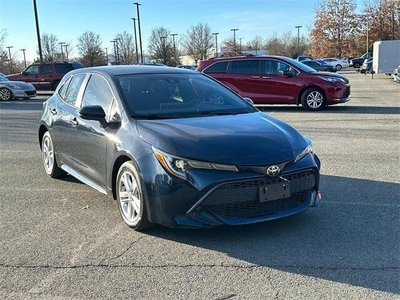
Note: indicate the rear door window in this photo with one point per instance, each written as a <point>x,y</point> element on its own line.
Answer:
<point>245,66</point>
<point>71,94</point>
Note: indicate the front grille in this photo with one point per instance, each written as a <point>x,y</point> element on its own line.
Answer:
<point>30,93</point>
<point>241,199</point>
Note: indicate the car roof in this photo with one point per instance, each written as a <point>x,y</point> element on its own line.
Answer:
<point>133,69</point>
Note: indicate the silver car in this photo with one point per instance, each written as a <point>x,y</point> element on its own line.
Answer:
<point>15,89</point>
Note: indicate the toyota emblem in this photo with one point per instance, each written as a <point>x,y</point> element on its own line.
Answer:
<point>273,171</point>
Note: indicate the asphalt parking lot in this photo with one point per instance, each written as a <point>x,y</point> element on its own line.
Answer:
<point>60,239</point>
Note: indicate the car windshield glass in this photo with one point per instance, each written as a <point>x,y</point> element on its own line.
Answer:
<point>299,65</point>
<point>156,96</point>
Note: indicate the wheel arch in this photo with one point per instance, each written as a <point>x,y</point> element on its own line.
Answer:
<point>42,130</point>
<point>298,102</point>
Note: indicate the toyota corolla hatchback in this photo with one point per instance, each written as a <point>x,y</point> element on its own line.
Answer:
<point>278,80</point>
<point>175,147</point>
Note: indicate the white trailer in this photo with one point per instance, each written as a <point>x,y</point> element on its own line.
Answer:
<point>386,56</point>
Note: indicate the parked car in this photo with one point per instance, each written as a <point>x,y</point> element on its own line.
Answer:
<point>304,57</point>
<point>367,66</point>
<point>175,147</point>
<point>336,63</point>
<point>278,80</point>
<point>15,89</point>
<point>318,66</point>
<point>396,74</point>
<point>45,76</point>
<point>189,67</point>
<point>357,62</point>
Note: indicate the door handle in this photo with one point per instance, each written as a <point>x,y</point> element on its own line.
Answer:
<point>255,77</point>
<point>266,77</point>
<point>74,121</point>
<point>53,111</point>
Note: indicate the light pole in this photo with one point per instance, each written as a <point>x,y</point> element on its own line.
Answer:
<point>163,47</point>
<point>136,48</point>
<point>298,39</point>
<point>140,33</point>
<point>173,39</point>
<point>117,40</point>
<point>38,32</point>
<point>23,51</point>
<point>66,51</point>
<point>234,37</point>
<point>216,43</point>
<point>9,56</point>
<point>62,53</point>
<point>367,37</point>
<point>115,51</point>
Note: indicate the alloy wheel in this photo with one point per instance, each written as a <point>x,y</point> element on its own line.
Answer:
<point>315,99</point>
<point>129,197</point>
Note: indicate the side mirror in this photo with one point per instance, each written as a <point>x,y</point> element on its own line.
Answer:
<point>248,100</point>
<point>24,73</point>
<point>92,112</point>
<point>288,73</point>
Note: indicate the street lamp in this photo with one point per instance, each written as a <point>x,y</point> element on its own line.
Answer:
<point>173,39</point>
<point>298,39</point>
<point>140,34</point>
<point>216,43</point>
<point>115,51</point>
<point>9,56</point>
<point>117,40</point>
<point>234,36</point>
<point>23,51</point>
<point>136,48</point>
<point>38,32</point>
<point>62,53</point>
<point>66,51</point>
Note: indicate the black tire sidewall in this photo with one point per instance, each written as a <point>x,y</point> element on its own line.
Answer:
<point>11,95</point>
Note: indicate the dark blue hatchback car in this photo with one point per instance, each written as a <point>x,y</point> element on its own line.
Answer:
<point>175,147</point>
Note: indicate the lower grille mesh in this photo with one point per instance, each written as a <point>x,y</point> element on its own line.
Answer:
<point>241,199</point>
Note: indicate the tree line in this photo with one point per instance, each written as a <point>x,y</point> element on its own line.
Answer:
<point>338,31</point>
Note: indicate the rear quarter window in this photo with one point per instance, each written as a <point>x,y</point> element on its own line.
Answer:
<point>219,67</point>
<point>62,68</point>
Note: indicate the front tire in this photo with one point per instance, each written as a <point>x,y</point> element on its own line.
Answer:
<point>5,94</point>
<point>49,157</point>
<point>131,197</point>
<point>338,67</point>
<point>313,99</point>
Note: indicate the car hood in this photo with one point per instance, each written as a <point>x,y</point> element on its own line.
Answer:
<point>244,139</point>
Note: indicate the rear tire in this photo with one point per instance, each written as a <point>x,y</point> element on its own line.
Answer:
<point>313,99</point>
<point>338,67</point>
<point>356,65</point>
<point>131,197</point>
<point>54,85</point>
<point>5,94</point>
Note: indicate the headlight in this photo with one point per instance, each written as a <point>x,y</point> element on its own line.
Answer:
<point>333,79</point>
<point>14,86</point>
<point>309,149</point>
<point>178,166</point>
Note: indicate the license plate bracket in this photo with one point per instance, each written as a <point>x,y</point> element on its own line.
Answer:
<point>274,191</point>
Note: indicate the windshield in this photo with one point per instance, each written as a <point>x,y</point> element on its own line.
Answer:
<point>299,65</point>
<point>178,95</point>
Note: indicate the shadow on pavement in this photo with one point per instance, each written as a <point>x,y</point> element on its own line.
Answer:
<point>351,238</point>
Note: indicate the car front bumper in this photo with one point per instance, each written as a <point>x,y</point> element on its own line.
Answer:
<point>211,198</point>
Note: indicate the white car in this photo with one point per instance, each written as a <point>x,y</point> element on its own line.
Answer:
<point>336,63</point>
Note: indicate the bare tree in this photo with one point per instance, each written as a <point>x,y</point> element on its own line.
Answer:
<point>51,50</point>
<point>160,46</point>
<point>335,27</point>
<point>198,42</point>
<point>3,52</point>
<point>89,45</point>
<point>379,21</point>
<point>126,48</point>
